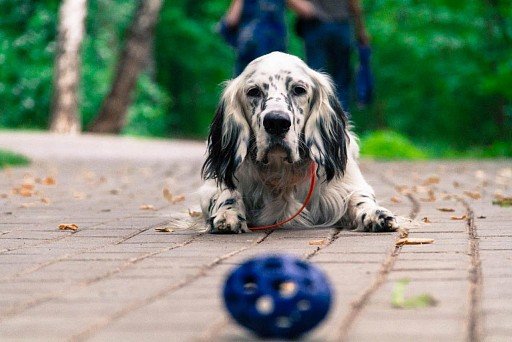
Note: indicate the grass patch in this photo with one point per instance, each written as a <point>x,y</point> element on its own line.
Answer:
<point>499,149</point>
<point>387,144</point>
<point>12,159</point>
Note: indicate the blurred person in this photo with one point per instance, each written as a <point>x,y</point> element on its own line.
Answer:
<point>327,28</point>
<point>254,28</point>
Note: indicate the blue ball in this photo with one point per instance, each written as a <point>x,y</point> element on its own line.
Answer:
<point>277,296</point>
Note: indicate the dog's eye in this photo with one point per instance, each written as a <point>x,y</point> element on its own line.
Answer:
<point>254,92</point>
<point>299,90</point>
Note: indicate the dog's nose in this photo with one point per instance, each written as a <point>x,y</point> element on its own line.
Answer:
<point>276,123</point>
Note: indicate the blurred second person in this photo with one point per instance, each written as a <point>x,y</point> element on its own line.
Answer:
<point>327,28</point>
<point>254,28</point>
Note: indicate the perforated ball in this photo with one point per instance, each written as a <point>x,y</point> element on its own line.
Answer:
<point>277,296</point>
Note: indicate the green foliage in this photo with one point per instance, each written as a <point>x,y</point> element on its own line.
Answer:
<point>148,115</point>
<point>505,202</point>
<point>498,149</point>
<point>389,145</point>
<point>399,301</point>
<point>192,61</point>
<point>442,69</point>
<point>106,26</point>
<point>12,159</point>
<point>28,31</point>
<point>101,48</point>
<point>27,46</point>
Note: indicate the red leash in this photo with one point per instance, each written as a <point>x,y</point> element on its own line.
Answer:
<point>312,172</point>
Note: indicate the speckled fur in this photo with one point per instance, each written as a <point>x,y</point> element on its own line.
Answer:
<point>253,178</point>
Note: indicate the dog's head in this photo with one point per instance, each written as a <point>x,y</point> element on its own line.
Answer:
<point>277,111</point>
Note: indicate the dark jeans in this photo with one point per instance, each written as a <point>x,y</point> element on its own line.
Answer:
<point>328,47</point>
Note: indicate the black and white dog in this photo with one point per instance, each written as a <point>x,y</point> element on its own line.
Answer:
<point>273,121</point>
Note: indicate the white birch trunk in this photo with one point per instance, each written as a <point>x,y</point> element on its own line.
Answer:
<point>65,116</point>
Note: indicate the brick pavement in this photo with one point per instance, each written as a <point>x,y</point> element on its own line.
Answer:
<point>117,278</point>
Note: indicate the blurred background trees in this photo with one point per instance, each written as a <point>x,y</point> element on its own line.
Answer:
<point>135,57</point>
<point>443,69</point>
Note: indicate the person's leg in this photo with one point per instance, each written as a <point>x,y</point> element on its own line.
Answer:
<point>315,46</point>
<point>339,58</point>
<point>259,40</point>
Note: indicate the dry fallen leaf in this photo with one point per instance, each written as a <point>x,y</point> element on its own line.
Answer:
<point>448,210</point>
<point>463,217</point>
<point>68,226</point>
<point>26,189</point>
<point>193,213</point>
<point>167,194</point>
<point>48,181</point>
<point>164,230</point>
<point>79,195</point>
<point>403,232</point>
<point>45,200</point>
<point>27,186</point>
<point>499,194</point>
<point>473,194</point>
<point>316,242</point>
<point>403,189</point>
<point>420,189</point>
<point>413,241</point>
<point>431,197</point>
<point>395,199</point>
<point>147,207</point>
<point>25,192</point>
<point>426,220</point>
<point>431,180</point>
<point>178,198</point>
<point>172,198</point>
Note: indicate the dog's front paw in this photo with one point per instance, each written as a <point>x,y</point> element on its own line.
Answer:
<point>228,221</point>
<point>377,220</point>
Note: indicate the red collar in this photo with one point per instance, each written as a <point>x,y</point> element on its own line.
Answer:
<point>312,172</point>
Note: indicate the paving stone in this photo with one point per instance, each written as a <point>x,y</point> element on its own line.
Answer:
<point>116,278</point>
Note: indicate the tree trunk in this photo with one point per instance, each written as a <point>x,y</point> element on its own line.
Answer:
<point>65,116</point>
<point>134,58</point>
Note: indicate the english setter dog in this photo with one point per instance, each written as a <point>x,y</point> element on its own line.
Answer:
<point>273,121</point>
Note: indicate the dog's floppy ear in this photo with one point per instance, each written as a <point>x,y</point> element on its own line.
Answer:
<point>325,133</point>
<point>228,140</point>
